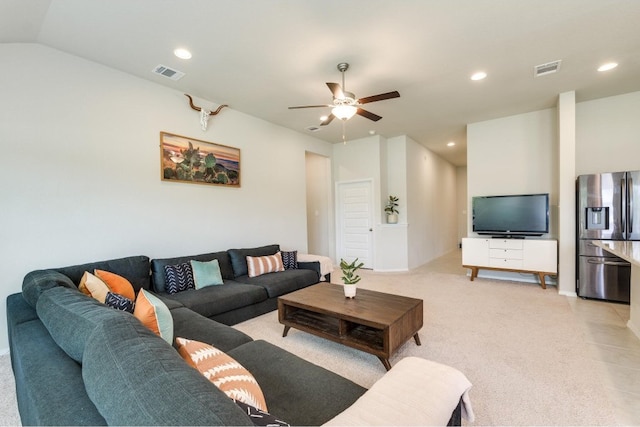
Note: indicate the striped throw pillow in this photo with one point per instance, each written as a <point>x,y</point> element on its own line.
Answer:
<point>223,371</point>
<point>264,264</point>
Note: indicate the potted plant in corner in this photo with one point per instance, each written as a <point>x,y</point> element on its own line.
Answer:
<point>349,277</point>
<point>390,209</point>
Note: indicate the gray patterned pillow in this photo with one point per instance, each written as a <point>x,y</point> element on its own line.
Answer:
<point>178,278</point>
<point>290,259</point>
<point>119,302</point>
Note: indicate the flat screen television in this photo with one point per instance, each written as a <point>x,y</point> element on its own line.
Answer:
<point>515,215</point>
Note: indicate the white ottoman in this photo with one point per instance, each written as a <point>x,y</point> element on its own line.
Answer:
<point>414,392</point>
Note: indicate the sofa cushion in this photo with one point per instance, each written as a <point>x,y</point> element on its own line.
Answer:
<point>47,380</point>
<point>283,282</point>
<point>239,257</point>
<point>223,371</point>
<point>134,268</point>
<point>319,394</point>
<point>191,325</point>
<point>37,282</point>
<point>178,278</point>
<point>257,266</point>
<point>134,377</point>
<point>214,300</point>
<point>70,316</point>
<point>154,314</point>
<point>157,267</point>
<point>206,273</point>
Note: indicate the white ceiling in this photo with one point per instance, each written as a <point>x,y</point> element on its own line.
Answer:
<point>262,56</point>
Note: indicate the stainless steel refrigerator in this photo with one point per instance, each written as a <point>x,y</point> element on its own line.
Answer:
<point>608,208</point>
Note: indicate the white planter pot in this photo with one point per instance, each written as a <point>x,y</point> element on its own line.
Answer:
<point>350,291</point>
<point>392,218</point>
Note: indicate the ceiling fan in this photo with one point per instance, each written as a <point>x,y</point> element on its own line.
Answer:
<point>345,104</point>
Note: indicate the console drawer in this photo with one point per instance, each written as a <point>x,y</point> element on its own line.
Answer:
<point>505,263</point>
<point>505,253</point>
<point>506,244</point>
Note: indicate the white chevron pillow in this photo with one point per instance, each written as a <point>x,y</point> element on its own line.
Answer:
<point>223,371</point>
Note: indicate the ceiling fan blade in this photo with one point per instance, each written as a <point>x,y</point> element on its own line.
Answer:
<point>336,90</point>
<point>311,106</point>
<point>368,114</point>
<point>380,97</point>
<point>327,120</point>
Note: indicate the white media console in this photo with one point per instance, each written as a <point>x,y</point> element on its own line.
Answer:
<point>537,256</point>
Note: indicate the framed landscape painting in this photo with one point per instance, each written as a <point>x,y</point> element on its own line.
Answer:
<point>200,162</point>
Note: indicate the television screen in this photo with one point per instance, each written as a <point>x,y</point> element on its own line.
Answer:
<point>524,214</point>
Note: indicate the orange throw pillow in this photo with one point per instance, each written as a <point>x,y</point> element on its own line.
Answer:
<point>117,284</point>
<point>154,314</point>
<point>223,371</point>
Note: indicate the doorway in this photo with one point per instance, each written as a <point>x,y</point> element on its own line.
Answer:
<point>319,205</point>
<point>354,221</point>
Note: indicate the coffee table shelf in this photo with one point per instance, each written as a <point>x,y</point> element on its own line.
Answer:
<point>374,322</point>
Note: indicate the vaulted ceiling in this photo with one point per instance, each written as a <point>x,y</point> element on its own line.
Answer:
<point>261,57</point>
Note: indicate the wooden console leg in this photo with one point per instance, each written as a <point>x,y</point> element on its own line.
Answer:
<point>286,331</point>
<point>474,273</point>
<point>542,282</point>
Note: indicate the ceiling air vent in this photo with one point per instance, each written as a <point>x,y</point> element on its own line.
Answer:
<point>167,72</point>
<point>548,68</point>
<point>314,128</point>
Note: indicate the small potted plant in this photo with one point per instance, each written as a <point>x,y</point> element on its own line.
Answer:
<point>349,277</point>
<point>390,209</point>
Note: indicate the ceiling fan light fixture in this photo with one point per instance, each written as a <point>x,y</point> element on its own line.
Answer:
<point>344,112</point>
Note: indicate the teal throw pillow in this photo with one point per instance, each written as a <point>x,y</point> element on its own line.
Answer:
<point>206,273</point>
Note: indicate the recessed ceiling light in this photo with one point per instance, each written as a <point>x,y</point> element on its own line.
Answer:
<point>451,144</point>
<point>182,53</point>
<point>608,66</point>
<point>479,75</point>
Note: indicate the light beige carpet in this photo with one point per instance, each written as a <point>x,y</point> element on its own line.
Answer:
<point>518,344</point>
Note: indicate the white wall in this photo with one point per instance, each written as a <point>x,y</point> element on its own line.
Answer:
<point>461,201</point>
<point>81,171</point>
<point>608,134</point>
<point>513,155</point>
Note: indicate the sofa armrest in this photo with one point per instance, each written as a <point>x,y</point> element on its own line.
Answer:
<point>310,265</point>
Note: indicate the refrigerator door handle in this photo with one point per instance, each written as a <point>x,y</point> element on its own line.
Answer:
<point>618,263</point>
<point>630,203</point>
<point>623,205</point>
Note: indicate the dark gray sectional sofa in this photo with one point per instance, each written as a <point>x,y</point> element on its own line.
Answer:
<point>78,362</point>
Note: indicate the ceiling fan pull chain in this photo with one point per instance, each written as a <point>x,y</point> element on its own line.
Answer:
<point>344,130</point>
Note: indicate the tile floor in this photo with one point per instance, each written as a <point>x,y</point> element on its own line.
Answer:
<point>612,345</point>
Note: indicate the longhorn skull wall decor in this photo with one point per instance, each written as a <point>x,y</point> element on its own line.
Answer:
<point>204,114</point>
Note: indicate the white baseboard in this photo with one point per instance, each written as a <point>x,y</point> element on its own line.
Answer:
<point>568,294</point>
<point>633,328</point>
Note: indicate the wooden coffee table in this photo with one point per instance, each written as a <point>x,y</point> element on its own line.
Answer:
<point>374,322</point>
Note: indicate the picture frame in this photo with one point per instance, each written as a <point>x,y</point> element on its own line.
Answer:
<point>195,161</point>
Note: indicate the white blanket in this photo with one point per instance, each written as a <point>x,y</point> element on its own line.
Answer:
<point>414,392</point>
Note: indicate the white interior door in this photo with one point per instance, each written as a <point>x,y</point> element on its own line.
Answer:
<point>355,221</point>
